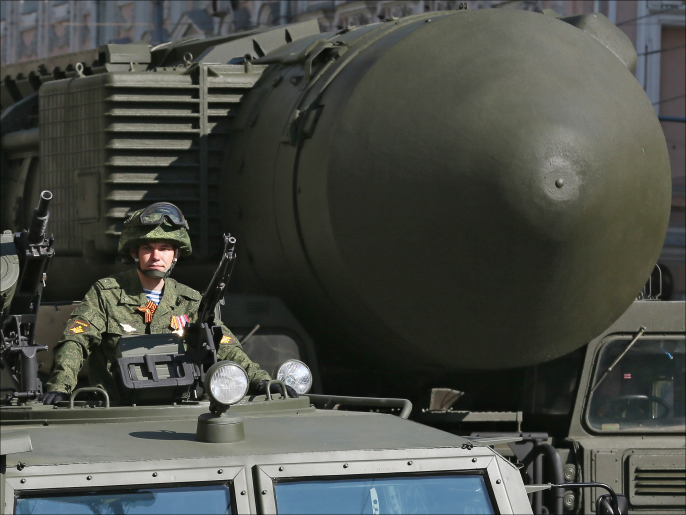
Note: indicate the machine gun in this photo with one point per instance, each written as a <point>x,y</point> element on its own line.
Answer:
<point>26,256</point>
<point>160,367</point>
<point>203,336</point>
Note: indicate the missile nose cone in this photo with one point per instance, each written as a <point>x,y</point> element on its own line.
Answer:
<point>498,186</point>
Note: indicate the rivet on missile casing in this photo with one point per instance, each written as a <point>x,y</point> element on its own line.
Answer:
<point>559,183</point>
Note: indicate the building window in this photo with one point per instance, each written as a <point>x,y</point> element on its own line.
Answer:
<point>29,7</point>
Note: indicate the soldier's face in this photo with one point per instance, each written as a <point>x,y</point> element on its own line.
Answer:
<point>155,256</point>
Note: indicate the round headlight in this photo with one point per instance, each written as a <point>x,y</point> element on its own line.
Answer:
<point>226,382</point>
<point>296,374</point>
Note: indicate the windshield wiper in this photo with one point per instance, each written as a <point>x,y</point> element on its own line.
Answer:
<point>614,363</point>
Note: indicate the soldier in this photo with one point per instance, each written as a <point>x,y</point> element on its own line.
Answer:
<point>143,300</point>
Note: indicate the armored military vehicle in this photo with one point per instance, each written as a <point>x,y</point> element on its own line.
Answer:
<point>460,208</point>
<point>282,455</point>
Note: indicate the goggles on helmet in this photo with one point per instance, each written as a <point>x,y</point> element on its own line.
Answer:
<point>155,214</point>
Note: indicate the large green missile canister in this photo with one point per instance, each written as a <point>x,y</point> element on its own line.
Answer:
<point>466,190</point>
<point>9,271</point>
<point>482,189</point>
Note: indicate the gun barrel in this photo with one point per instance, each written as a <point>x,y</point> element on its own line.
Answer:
<point>43,202</point>
<point>40,218</point>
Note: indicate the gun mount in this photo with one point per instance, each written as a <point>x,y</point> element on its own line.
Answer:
<point>26,256</point>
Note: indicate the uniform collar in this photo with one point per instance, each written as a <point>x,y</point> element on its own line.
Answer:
<point>131,290</point>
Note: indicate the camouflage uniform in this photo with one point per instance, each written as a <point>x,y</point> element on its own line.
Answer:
<point>108,312</point>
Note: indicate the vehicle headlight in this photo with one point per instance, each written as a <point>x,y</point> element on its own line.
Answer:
<point>295,374</point>
<point>226,382</point>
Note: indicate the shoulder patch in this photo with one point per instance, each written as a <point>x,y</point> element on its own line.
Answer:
<point>227,340</point>
<point>78,327</point>
<point>188,292</point>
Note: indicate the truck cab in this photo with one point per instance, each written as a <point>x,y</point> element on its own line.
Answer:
<point>628,425</point>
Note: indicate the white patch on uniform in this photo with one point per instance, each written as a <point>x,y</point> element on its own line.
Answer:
<point>128,328</point>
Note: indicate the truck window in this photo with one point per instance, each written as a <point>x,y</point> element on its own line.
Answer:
<point>645,389</point>
<point>183,499</point>
<point>409,494</point>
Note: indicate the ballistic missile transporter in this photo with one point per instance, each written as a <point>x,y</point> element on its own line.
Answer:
<point>459,208</point>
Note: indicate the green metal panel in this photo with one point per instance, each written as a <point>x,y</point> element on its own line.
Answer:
<point>72,156</point>
<point>115,142</point>
<point>657,478</point>
<point>606,468</point>
<point>14,442</point>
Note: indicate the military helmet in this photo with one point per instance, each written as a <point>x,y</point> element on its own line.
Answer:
<point>161,221</point>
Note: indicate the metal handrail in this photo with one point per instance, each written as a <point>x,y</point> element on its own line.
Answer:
<point>89,389</point>
<point>283,387</point>
<point>405,404</point>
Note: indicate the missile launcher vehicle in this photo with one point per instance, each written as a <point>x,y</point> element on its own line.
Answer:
<point>459,208</point>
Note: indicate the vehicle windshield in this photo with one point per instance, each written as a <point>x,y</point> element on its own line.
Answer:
<point>184,499</point>
<point>645,389</point>
<point>269,350</point>
<point>410,494</point>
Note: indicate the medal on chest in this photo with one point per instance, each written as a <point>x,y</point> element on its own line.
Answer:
<point>149,310</point>
<point>178,323</point>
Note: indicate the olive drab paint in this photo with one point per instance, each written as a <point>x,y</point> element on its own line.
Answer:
<point>486,176</point>
<point>421,203</point>
<point>408,187</point>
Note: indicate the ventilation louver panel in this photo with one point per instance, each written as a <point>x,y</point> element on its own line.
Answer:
<point>657,479</point>
<point>119,141</point>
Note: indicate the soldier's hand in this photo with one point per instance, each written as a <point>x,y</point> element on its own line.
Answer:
<point>261,389</point>
<point>55,397</point>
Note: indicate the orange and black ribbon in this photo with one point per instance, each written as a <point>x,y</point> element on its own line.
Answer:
<point>149,310</point>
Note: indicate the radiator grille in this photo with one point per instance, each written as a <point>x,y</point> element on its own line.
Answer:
<point>655,481</point>
<point>658,479</point>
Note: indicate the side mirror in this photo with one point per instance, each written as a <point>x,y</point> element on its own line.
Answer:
<point>603,505</point>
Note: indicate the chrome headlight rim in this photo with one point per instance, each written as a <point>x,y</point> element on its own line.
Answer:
<point>282,373</point>
<point>238,374</point>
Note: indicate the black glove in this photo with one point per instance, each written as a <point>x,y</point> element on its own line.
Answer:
<point>261,389</point>
<point>55,397</point>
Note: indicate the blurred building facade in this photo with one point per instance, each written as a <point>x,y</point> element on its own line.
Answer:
<point>37,29</point>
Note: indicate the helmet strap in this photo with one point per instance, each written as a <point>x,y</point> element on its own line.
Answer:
<point>156,274</point>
